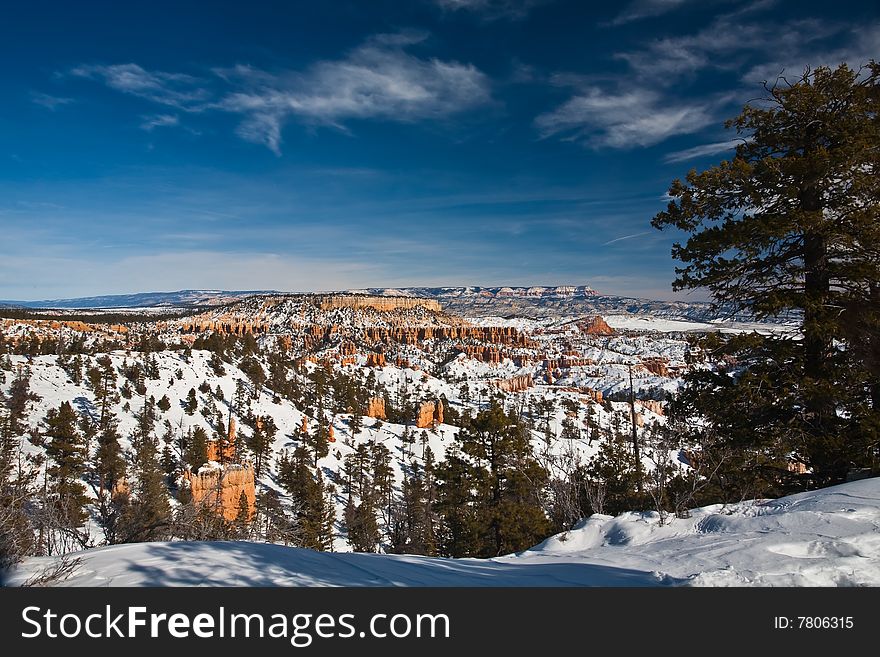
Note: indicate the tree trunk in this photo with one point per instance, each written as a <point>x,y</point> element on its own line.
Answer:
<point>817,317</point>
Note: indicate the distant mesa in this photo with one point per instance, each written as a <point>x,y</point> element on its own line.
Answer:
<point>380,303</point>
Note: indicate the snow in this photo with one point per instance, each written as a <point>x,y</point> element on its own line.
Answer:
<point>825,538</point>
<point>633,322</point>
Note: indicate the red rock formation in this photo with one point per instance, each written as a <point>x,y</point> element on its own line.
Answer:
<point>376,408</point>
<point>658,366</point>
<point>221,488</point>
<point>514,384</point>
<point>375,360</point>
<point>226,323</point>
<point>330,437</point>
<point>652,405</point>
<point>579,361</point>
<point>430,415</point>
<point>304,429</point>
<point>595,326</point>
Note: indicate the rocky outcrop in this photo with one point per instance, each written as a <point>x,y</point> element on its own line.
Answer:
<point>226,324</point>
<point>595,326</point>
<point>375,360</point>
<point>221,487</point>
<point>57,325</point>
<point>430,415</point>
<point>577,361</point>
<point>376,408</point>
<point>652,405</point>
<point>658,366</point>
<point>383,304</point>
<point>590,393</point>
<point>487,354</point>
<point>514,384</point>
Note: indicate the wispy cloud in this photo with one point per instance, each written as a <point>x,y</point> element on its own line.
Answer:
<point>639,117</point>
<point>861,43</point>
<point>730,42</point>
<point>48,101</point>
<point>702,150</point>
<point>150,123</point>
<point>641,111</point>
<point>639,9</point>
<point>627,237</point>
<point>377,80</point>
<point>173,89</point>
<point>492,9</point>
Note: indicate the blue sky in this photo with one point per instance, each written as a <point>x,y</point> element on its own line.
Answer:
<point>326,145</point>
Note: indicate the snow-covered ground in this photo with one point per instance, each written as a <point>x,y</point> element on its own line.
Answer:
<point>828,537</point>
<point>634,322</point>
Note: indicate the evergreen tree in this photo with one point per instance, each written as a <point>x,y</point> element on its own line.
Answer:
<point>191,403</point>
<point>460,488</point>
<point>319,440</point>
<point>148,517</point>
<point>65,451</point>
<point>196,454</point>
<point>20,397</point>
<point>308,493</point>
<point>263,431</point>
<point>511,508</point>
<point>791,225</point>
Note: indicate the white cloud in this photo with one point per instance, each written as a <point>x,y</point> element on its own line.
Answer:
<point>378,80</point>
<point>48,101</point>
<point>174,89</point>
<point>728,43</point>
<point>159,121</point>
<point>492,9</point>
<point>623,120</point>
<point>862,44</point>
<point>704,149</point>
<point>640,9</point>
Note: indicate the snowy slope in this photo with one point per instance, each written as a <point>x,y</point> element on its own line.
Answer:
<point>829,537</point>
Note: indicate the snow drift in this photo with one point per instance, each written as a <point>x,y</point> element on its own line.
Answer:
<point>828,537</point>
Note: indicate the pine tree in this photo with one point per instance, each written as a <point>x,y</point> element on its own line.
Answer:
<point>791,225</point>
<point>196,454</point>
<point>308,494</point>
<point>263,431</point>
<point>319,440</point>
<point>459,492</point>
<point>20,397</point>
<point>65,450</point>
<point>191,403</point>
<point>148,517</point>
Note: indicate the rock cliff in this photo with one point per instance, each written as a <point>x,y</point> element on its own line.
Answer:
<point>221,487</point>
